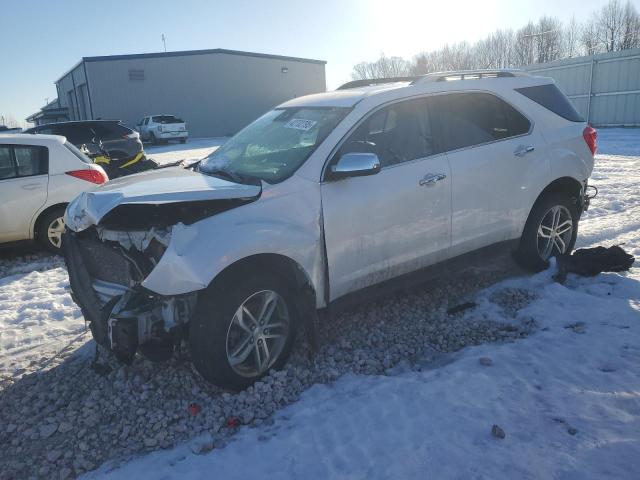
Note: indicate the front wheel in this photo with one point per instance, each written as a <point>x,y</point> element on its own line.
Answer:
<point>551,230</point>
<point>243,326</point>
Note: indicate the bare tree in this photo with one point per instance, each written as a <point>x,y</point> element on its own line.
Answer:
<point>613,27</point>
<point>524,45</point>
<point>589,38</point>
<point>630,27</point>
<point>548,39</point>
<point>571,38</point>
<point>9,121</point>
<point>610,25</point>
<point>384,67</point>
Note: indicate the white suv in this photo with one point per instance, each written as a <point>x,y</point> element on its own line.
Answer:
<point>162,128</point>
<point>322,197</point>
<point>39,176</point>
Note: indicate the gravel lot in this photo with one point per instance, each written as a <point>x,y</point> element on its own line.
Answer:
<point>60,418</point>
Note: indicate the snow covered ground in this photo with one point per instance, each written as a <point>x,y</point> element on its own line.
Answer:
<point>567,397</point>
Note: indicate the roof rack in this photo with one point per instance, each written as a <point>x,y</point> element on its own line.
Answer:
<point>468,75</point>
<point>375,81</point>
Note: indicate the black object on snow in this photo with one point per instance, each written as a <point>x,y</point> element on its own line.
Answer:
<point>461,308</point>
<point>589,262</point>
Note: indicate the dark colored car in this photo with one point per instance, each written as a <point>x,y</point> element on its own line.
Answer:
<point>121,144</point>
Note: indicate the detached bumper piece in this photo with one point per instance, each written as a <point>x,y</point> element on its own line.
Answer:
<point>124,317</point>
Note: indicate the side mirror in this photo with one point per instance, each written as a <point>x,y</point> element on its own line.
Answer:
<point>356,165</point>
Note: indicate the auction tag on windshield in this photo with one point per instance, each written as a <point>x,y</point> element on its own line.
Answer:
<point>300,124</point>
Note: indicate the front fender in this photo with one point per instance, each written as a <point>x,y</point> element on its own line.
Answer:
<point>288,225</point>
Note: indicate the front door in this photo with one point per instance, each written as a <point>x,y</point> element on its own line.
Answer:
<point>381,226</point>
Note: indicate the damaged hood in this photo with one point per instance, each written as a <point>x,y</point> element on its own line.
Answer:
<point>163,196</point>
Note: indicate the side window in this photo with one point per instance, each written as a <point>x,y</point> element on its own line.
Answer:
<point>31,160</point>
<point>146,121</point>
<point>7,168</point>
<point>469,119</point>
<point>396,134</point>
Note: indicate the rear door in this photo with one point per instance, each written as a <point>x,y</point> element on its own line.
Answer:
<point>494,154</point>
<point>384,225</point>
<point>23,188</point>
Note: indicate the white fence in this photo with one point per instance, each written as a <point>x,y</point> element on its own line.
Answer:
<point>604,88</point>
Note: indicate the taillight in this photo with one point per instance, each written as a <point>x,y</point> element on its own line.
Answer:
<point>93,176</point>
<point>590,135</point>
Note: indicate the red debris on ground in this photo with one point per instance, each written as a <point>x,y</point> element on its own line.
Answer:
<point>194,409</point>
<point>233,422</point>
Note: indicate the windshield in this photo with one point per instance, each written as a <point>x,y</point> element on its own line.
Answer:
<point>274,146</point>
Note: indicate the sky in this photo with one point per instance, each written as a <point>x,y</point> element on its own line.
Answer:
<point>41,40</point>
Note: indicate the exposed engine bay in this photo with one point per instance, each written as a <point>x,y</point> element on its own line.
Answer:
<point>106,268</point>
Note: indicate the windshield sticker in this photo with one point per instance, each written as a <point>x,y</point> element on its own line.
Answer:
<point>300,124</point>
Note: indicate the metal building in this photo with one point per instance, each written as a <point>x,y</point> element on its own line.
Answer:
<point>604,88</point>
<point>217,92</point>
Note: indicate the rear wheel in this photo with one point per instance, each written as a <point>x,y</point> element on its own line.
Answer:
<point>551,230</point>
<point>243,327</point>
<point>50,228</point>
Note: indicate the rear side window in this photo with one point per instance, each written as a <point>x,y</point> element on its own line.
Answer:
<point>551,98</point>
<point>396,134</point>
<point>73,149</point>
<point>23,161</point>
<point>473,118</point>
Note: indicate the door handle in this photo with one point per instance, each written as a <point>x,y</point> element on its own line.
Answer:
<point>522,150</point>
<point>431,179</point>
<point>31,186</point>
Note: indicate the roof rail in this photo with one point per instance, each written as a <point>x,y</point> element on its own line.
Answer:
<point>468,75</point>
<point>375,81</point>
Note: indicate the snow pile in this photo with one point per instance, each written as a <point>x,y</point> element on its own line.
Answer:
<point>37,316</point>
<point>567,397</point>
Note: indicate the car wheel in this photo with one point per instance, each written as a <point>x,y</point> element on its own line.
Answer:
<point>551,229</point>
<point>50,228</point>
<point>153,139</point>
<point>244,326</point>
<point>183,140</point>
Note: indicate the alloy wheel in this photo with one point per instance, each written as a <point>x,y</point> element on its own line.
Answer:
<point>55,231</point>
<point>258,333</point>
<point>554,232</point>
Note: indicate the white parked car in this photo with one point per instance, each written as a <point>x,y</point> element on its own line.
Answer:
<point>324,197</point>
<point>162,128</point>
<point>39,176</point>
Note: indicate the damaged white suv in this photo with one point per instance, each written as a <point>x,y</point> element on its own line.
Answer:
<point>322,197</point>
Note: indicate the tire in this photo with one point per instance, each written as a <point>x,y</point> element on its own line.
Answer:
<point>47,223</point>
<point>216,332</point>
<point>153,139</point>
<point>536,248</point>
<point>183,140</point>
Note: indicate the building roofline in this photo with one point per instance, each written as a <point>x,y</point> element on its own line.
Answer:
<point>199,52</point>
<point>135,56</point>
